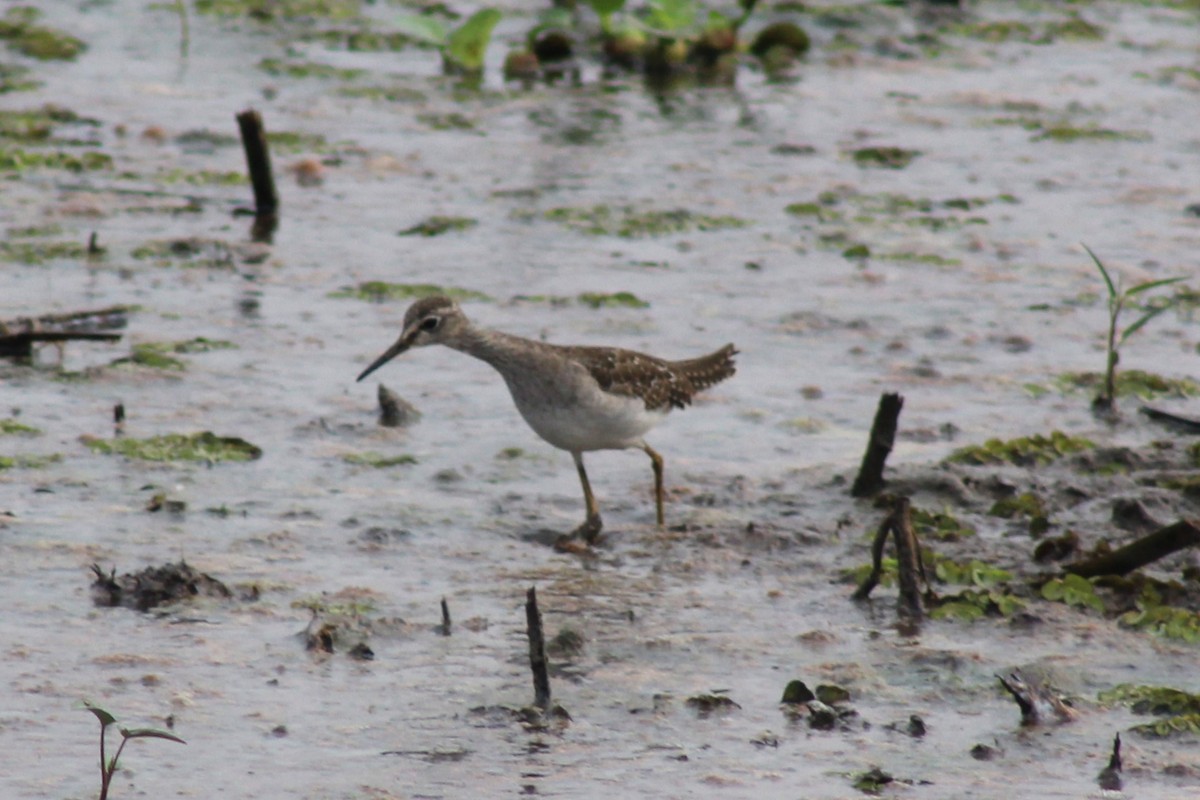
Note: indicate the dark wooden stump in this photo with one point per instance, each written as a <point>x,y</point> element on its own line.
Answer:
<point>898,522</point>
<point>537,651</point>
<point>883,437</point>
<point>1146,550</point>
<point>258,162</point>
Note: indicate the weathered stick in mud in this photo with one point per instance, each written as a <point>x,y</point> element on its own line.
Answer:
<point>445,629</point>
<point>537,651</point>
<point>1146,550</point>
<point>883,437</point>
<point>258,162</point>
<point>17,336</point>
<point>908,556</point>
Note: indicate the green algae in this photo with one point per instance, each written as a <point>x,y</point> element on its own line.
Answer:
<point>437,225</point>
<point>39,252</point>
<point>15,159</point>
<point>1073,133</point>
<point>19,31</point>
<point>612,300</point>
<point>161,355</point>
<point>13,78</point>
<point>378,461</point>
<point>382,290</point>
<point>204,446</point>
<point>28,461</point>
<point>1023,451</point>
<point>273,10</point>
<point>1131,383</point>
<point>1073,590</point>
<point>308,69</point>
<point>628,223</point>
<point>10,427</point>
<point>940,526</point>
<point>884,157</point>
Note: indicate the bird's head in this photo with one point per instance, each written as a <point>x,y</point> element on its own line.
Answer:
<point>430,320</point>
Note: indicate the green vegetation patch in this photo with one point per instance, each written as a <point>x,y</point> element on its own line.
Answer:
<point>19,31</point>
<point>1168,621</point>
<point>1024,451</point>
<point>1075,133</point>
<point>939,525</point>
<point>200,177</point>
<point>308,69</point>
<point>204,446</point>
<point>603,220</point>
<point>1027,505</point>
<point>1073,28</point>
<point>271,10</point>
<point>160,355</point>
<point>452,121</point>
<point>1131,382</point>
<point>35,253</point>
<point>392,94</point>
<point>193,249</point>
<point>13,78</point>
<point>379,291</point>
<point>1073,590</point>
<point>437,225</point>
<point>970,605</point>
<point>1180,710</point>
<point>293,142</point>
<point>612,300</point>
<point>372,459</point>
<point>37,124</point>
<point>10,427</point>
<point>28,462</point>
<point>884,157</point>
<point>15,159</point>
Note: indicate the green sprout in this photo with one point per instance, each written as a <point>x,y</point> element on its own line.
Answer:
<point>1118,298</point>
<point>464,47</point>
<point>108,767</point>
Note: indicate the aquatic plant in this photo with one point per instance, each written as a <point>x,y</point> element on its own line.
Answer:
<point>1118,299</point>
<point>463,48</point>
<point>204,446</point>
<point>108,766</point>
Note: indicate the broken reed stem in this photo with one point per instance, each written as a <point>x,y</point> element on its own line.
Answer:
<point>258,162</point>
<point>537,651</point>
<point>445,630</point>
<point>1146,550</point>
<point>883,437</point>
<point>898,523</point>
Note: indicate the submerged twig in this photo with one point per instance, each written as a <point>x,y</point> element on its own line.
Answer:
<point>908,557</point>
<point>883,437</point>
<point>1146,550</point>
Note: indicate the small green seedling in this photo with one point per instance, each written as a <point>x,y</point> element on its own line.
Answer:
<point>108,767</point>
<point>1117,300</point>
<point>464,47</point>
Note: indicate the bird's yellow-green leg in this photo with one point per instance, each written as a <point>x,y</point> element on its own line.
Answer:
<point>591,526</point>
<point>657,461</point>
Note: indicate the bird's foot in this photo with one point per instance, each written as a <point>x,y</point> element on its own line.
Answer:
<point>586,534</point>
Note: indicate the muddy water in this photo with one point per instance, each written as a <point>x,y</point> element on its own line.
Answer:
<point>959,319</point>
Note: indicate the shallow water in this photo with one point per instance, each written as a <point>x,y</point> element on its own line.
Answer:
<point>665,615</point>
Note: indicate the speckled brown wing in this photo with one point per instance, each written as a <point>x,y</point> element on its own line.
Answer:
<point>662,385</point>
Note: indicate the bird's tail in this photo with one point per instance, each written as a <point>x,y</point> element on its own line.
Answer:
<point>709,370</point>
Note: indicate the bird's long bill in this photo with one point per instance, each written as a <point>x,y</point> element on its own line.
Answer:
<point>402,344</point>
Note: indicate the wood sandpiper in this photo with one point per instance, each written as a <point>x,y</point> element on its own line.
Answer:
<point>576,398</point>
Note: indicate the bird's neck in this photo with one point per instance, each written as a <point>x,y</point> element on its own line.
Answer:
<point>501,350</point>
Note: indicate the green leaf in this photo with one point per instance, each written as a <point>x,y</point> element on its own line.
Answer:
<point>468,43</point>
<point>1135,327</point>
<point>1112,290</point>
<point>1148,285</point>
<point>606,8</point>
<point>102,715</point>
<point>150,733</point>
<point>423,28</point>
<point>671,16</point>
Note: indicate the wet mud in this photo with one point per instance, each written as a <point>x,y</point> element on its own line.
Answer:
<point>900,209</point>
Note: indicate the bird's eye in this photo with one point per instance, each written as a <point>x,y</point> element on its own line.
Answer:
<point>430,323</point>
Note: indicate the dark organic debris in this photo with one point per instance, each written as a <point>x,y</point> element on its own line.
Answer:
<point>17,336</point>
<point>154,586</point>
<point>394,410</point>
<point>797,692</point>
<point>1038,702</point>
<point>1188,425</point>
<point>1110,777</point>
<point>706,704</point>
